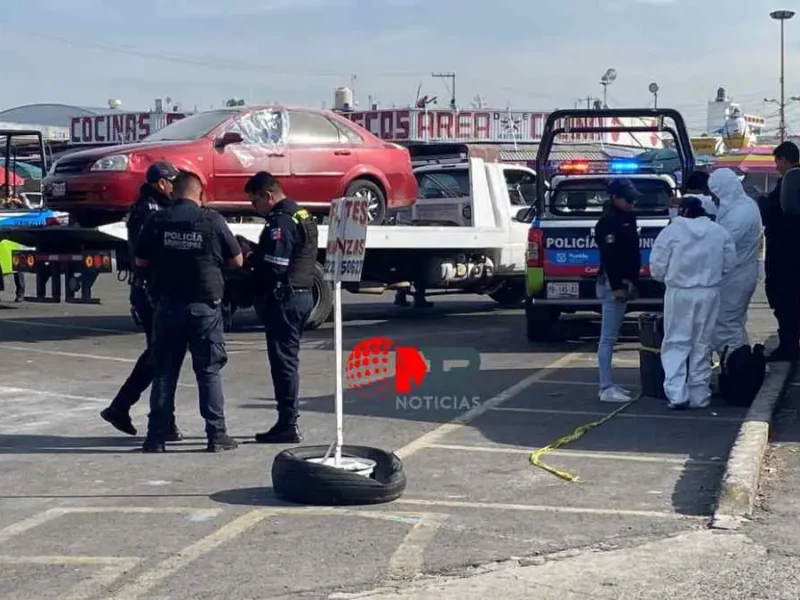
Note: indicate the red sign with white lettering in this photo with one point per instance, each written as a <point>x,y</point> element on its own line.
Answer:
<point>118,128</point>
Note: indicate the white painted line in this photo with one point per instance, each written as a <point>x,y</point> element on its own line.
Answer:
<point>409,558</point>
<point>72,327</point>
<point>112,569</point>
<point>565,382</point>
<point>446,429</point>
<point>68,354</point>
<point>166,568</point>
<point>25,525</point>
<point>16,390</point>
<point>610,512</point>
<point>626,415</point>
<point>675,459</point>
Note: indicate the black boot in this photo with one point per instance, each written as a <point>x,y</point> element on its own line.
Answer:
<point>175,434</point>
<point>119,420</point>
<point>285,431</point>
<point>222,443</point>
<point>782,354</point>
<point>151,446</point>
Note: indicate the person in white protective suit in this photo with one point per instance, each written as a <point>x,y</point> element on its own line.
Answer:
<point>739,214</point>
<point>691,256</point>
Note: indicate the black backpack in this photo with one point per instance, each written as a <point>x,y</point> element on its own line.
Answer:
<point>742,374</point>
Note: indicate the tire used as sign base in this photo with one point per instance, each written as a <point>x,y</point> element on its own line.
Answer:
<point>299,477</point>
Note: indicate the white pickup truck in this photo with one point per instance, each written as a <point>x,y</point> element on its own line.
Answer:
<point>462,236</point>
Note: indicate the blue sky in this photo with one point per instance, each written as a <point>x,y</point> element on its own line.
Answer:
<point>533,54</point>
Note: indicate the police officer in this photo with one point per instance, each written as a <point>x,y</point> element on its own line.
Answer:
<point>154,195</point>
<point>617,238</point>
<point>185,247</point>
<point>283,264</point>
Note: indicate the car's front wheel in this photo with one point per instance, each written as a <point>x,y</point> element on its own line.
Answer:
<point>376,198</point>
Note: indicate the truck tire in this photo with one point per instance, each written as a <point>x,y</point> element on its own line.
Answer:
<point>296,479</point>
<point>323,299</point>
<point>509,294</point>
<point>363,188</point>
<point>541,324</point>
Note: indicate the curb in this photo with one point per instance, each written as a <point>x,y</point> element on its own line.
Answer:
<point>739,488</point>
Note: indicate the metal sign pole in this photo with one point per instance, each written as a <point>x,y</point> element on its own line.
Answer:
<point>337,317</point>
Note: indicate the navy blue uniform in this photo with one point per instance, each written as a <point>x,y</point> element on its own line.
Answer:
<point>284,263</point>
<point>187,246</point>
<point>150,200</point>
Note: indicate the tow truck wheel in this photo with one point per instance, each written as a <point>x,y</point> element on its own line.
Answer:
<point>323,299</point>
<point>540,322</point>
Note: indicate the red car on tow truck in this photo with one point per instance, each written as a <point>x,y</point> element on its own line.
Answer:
<point>317,155</point>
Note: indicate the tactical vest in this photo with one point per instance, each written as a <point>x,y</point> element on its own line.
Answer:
<point>186,267</point>
<point>301,265</point>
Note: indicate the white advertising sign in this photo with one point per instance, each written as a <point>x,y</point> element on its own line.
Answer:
<point>347,239</point>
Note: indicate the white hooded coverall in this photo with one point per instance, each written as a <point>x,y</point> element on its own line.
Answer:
<point>739,214</point>
<point>691,256</point>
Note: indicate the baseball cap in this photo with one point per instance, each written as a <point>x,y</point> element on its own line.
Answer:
<point>623,188</point>
<point>161,170</point>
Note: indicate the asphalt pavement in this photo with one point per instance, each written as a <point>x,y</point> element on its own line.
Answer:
<point>84,515</point>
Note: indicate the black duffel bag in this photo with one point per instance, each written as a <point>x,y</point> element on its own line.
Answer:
<point>742,374</point>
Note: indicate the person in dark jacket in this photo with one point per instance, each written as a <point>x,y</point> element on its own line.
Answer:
<point>782,261</point>
<point>154,196</point>
<point>617,238</point>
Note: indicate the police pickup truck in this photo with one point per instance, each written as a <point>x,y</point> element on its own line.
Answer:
<point>562,258</point>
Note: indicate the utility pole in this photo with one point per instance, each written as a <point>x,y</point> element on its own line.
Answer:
<point>452,78</point>
<point>782,16</point>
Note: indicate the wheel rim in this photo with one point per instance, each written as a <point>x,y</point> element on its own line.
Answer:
<point>373,204</point>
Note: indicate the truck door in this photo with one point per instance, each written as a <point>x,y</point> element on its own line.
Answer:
<point>259,151</point>
<point>521,186</point>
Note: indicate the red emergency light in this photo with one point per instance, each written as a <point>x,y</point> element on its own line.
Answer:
<point>574,166</point>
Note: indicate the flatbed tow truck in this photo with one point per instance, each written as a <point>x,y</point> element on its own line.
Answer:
<point>485,256</point>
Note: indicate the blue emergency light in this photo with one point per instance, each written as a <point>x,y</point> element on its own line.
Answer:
<point>624,166</point>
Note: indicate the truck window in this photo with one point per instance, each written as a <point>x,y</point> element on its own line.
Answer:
<point>443,184</point>
<point>521,186</point>
<point>307,128</point>
<point>587,197</point>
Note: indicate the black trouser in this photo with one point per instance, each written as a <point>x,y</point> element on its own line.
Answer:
<point>19,284</point>
<point>142,375</point>
<point>284,321</point>
<point>783,294</point>
<point>178,327</point>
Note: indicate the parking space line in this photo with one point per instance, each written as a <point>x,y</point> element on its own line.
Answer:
<point>16,390</point>
<point>113,568</point>
<point>41,518</point>
<point>408,560</point>
<point>163,570</point>
<point>63,326</point>
<point>609,512</point>
<point>67,354</point>
<point>625,415</point>
<point>674,459</point>
<point>446,429</point>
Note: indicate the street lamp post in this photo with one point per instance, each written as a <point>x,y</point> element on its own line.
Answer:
<point>654,90</point>
<point>606,80</point>
<point>782,16</point>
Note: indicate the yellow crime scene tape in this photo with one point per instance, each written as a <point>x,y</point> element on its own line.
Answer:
<point>536,457</point>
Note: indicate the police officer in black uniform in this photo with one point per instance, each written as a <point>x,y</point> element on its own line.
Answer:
<point>154,195</point>
<point>185,247</point>
<point>283,264</point>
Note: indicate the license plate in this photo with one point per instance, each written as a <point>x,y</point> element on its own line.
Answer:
<point>562,290</point>
<point>59,189</point>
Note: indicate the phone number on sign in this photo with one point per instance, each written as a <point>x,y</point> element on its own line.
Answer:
<point>347,267</point>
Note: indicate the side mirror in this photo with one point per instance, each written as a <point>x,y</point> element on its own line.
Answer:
<point>228,138</point>
<point>524,214</point>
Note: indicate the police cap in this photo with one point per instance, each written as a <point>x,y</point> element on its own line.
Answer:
<point>161,170</point>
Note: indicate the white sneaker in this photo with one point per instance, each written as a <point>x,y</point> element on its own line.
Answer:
<point>614,396</point>
<point>702,404</point>
<point>622,389</point>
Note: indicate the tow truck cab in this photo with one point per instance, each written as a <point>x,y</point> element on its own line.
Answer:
<point>562,258</point>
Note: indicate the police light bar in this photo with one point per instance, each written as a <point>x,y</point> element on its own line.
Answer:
<point>624,166</point>
<point>574,166</point>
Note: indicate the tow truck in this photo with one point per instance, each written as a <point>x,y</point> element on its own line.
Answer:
<point>473,245</point>
<point>562,257</point>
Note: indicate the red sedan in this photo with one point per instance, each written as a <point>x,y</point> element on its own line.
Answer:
<point>317,155</point>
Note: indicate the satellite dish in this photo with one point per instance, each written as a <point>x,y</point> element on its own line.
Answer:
<point>653,88</point>
<point>610,76</point>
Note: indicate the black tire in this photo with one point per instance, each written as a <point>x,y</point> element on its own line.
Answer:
<point>323,299</point>
<point>510,294</point>
<point>297,480</point>
<point>364,187</point>
<point>541,323</point>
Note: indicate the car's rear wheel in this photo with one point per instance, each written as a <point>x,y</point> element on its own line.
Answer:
<point>363,188</point>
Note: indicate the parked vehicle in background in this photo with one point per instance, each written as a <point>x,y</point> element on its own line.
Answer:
<point>562,258</point>
<point>317,155</point>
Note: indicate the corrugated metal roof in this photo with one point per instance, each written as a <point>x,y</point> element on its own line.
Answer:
<point>590,152</point>
<point>57,115</point>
